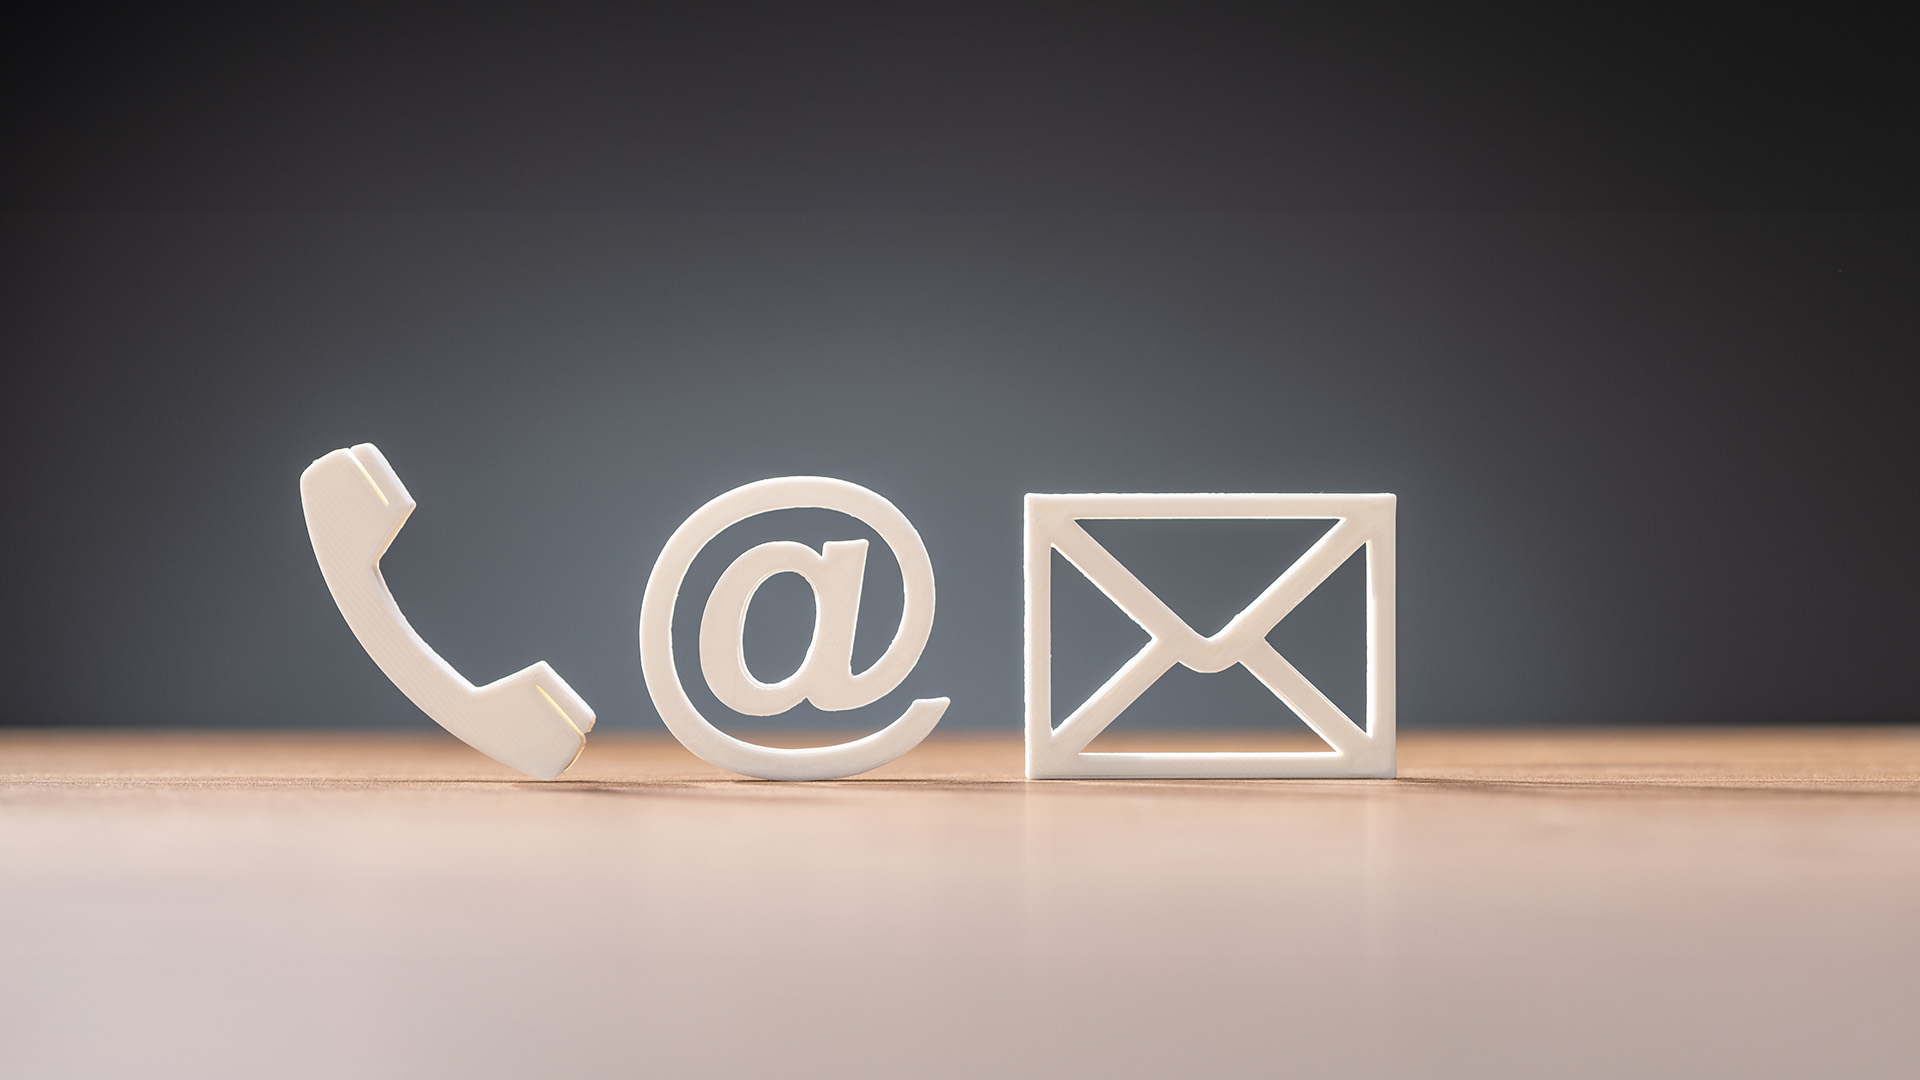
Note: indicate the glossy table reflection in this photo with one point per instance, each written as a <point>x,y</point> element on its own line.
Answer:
<point>1673,901</point>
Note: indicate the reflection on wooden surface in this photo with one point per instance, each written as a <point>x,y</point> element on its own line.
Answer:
<point>1680,901</point>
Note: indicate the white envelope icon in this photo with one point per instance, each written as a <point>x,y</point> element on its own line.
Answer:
<point>1052,524</point>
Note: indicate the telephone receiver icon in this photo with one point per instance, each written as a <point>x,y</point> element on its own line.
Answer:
<point>355,505</point>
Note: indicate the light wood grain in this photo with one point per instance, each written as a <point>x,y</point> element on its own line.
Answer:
<point>1677,902</point>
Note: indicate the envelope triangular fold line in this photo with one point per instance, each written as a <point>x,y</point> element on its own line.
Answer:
<point>1362,520</point>
<point>1308,573</point>
<point>1123,588</point>
<point>1113,697</point>
<point>1327,720</point>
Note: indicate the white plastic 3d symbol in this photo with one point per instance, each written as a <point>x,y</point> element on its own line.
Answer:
<point>355,505</point>
<point>1058,752</point>
<point>825,677</point>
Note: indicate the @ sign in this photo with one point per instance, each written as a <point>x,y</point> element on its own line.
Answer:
<point>825,677</point>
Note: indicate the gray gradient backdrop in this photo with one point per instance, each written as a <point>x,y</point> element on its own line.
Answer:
<point>1633,377</point>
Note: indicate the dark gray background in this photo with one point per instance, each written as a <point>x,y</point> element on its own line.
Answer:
<point>1616,306</point>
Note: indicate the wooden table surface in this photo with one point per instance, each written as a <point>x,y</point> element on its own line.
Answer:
<point>1675,902</point>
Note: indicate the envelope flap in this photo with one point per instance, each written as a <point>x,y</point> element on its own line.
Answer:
<point>1056,520</point>
<point>1207,570</point>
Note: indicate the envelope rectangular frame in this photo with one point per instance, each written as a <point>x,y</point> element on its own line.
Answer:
<point>1052,524</point>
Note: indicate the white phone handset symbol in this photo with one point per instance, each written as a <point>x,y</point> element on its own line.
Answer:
<point>355,505</point>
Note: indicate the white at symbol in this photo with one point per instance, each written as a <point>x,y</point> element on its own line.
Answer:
<point>825,677</point>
